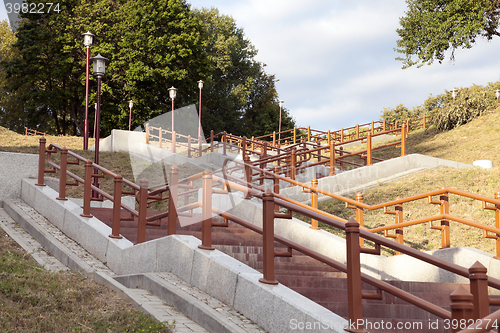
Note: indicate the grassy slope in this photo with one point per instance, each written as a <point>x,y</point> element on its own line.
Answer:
<point>470,142</point>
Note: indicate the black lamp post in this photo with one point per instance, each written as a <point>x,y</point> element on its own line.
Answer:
<point>99,70</point>
<point>87,41</point>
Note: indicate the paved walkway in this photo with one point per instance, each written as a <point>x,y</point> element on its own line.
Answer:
<point>147,301</point>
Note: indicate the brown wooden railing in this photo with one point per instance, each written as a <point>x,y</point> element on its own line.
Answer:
<point>463,305</point>
<point>29,131</point>
<point>396,207</point>
<point>306,134</point>
<point>193,146</point>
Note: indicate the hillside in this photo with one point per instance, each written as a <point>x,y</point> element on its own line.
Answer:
<point>470,142</point>
<point>473,141</point>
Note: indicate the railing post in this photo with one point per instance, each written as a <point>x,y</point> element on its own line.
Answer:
<point>62,177</point>
<point>200,148</point>
<point>294,135</point>
<point>252,145</point>
<point>314,203</point>
<point>87,189</point>
<point>403,140</point>
<point>276,186</point>
<point>268,238</point>
<point>342,135</point>
<point>117,205</point>
<point>160,136</point>
<point>211,141</point>
<point>384,125</point>
<point>341,160</point>
<point>357,131</point>
<point>147,134</point>
<point>445,224</point>
<point>329,137</point>
<point>461,307</point>
<point>143,210</point>
<point>248,174</point>
<point>274,138</point>
<point>293,162</point>
<point>479,290</point>
<point>174,141</point>
<point>497,224</point>
<point>424,121</point>
<point>373,128</point>
<point>399,219</point>
<point>332,158</point>
<point>308,133</point>
<point>369,149</point>
<point>359,215</point>
<point>206,207</point>
<point>224,140</point>
<point>243,146</point>
<point>354,293</point>
<point>172,200</point>
<point>41,162</point>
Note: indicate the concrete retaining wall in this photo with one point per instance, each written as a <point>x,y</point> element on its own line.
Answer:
<point>400,267</point>
<point>351,181</point>
<point>223,277</point>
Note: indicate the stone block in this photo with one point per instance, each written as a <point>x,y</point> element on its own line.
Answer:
<point>175,255</point>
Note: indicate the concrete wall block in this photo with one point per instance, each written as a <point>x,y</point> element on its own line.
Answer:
<point>46,204</point>
<point>141,257</point>
<point>175,255</point>
<point>28,190</point>
<point>274,307</point>
<point>222,277</point>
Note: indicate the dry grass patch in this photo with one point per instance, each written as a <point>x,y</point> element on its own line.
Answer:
<point>474,180</point>
<point>35,300</point>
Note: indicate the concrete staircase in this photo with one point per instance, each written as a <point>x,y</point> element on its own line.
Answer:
<point>314,280</point>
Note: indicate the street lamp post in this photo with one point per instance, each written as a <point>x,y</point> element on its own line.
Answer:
<point>454,93</point>
<point>497,94</point>
<point>99,70</point>
<point>173,92</point>
<point>130,105</point>
<point>87,41</point>
<point>279,129</point>
<point>200,85</point>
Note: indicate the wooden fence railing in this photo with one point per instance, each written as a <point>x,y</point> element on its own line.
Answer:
<point>463,305</point>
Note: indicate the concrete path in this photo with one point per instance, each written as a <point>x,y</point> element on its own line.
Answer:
<point>79,259</point>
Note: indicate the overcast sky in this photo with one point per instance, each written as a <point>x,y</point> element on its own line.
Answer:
<point>335,60</point>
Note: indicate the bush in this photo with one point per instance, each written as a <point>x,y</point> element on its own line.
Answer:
<point>469,104</point>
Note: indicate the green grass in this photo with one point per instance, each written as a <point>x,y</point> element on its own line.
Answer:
<point>33,299</point>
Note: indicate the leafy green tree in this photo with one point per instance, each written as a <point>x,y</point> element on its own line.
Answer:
<point>239,97</point>
<point>431,28</point>
<point>12,112</point>
<point>262,109</point>
<point>152,45</point>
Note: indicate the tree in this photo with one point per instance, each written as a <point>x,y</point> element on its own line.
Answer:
<point>152,45</point>
<point>240,97</point>
<point>431,28</point>
<point>12,113</point>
